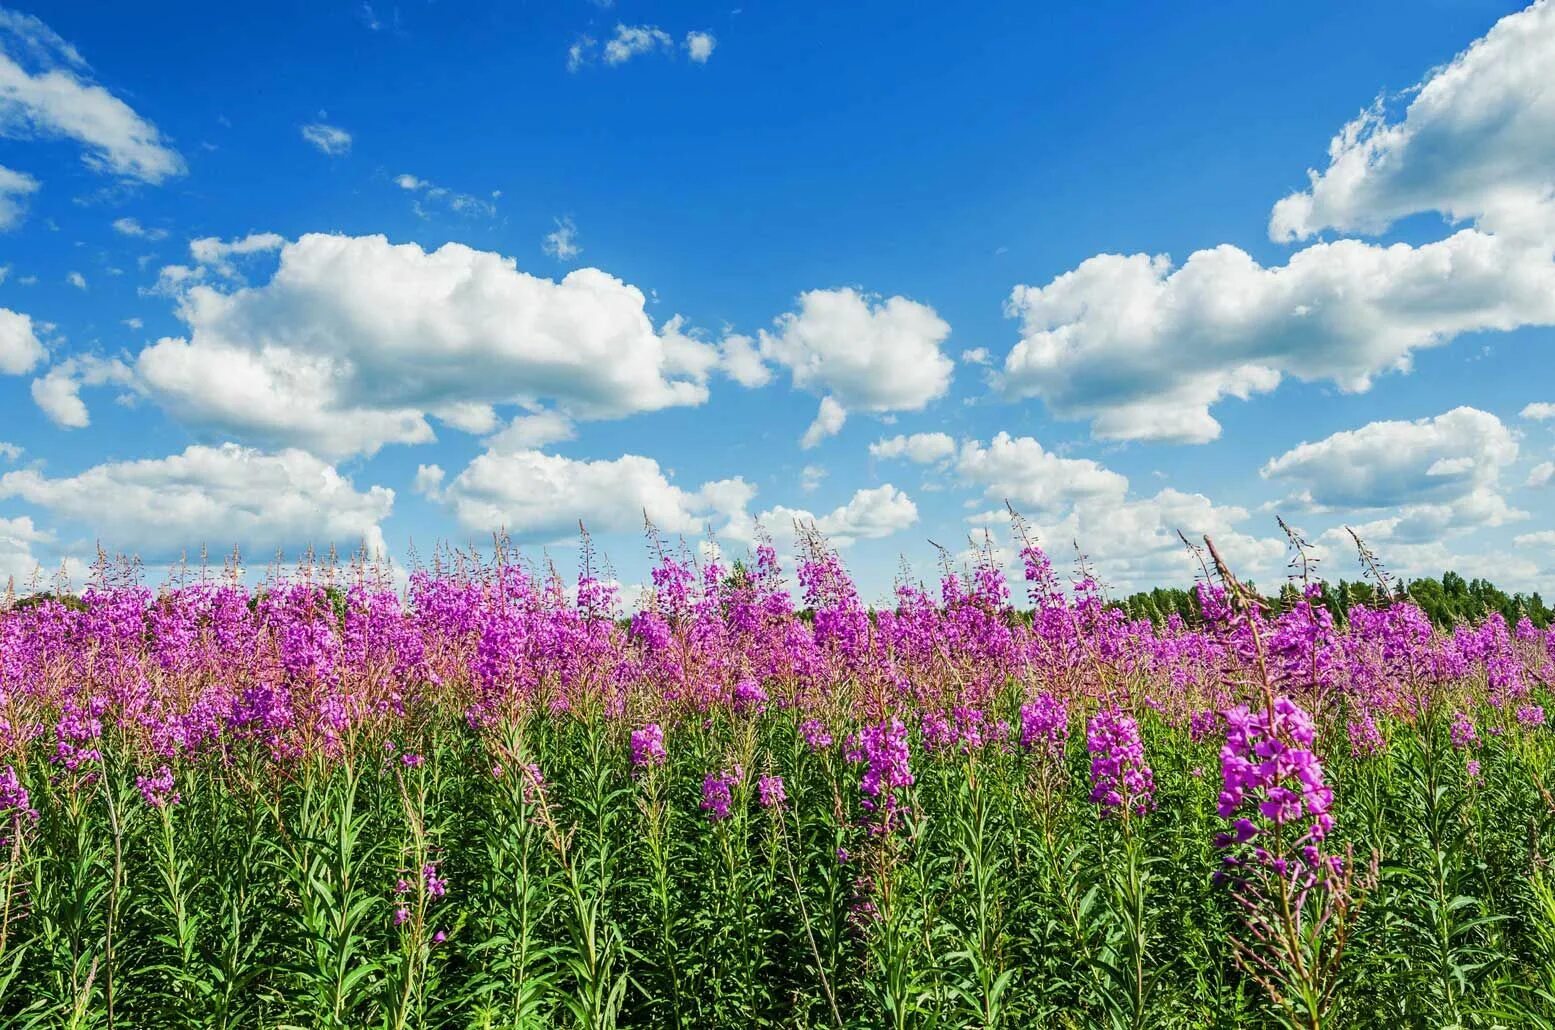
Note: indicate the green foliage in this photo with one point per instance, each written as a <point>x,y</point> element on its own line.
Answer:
<point>599,895</point>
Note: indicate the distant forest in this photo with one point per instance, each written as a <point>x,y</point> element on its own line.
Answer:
<point>1449,601</point>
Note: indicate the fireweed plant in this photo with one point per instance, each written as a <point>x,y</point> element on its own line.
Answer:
<point>500,800</point>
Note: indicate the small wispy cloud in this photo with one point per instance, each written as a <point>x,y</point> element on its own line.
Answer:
<point>459,203</point>
<point>329,139</point>
<point>631,41</point>
<point>132,227</point>
<point>562,242</point>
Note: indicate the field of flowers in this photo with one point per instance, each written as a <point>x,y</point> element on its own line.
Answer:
<point>497,801</point>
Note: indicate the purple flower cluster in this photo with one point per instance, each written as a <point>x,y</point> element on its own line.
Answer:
<point>749,698</point>
<point>1121,779</point>
<point>815,735</point>
<point>15,804</point>
<point>1366,739</point>
<point>157,789</point>
<point>718,794</point>
<point>648,746</point>
<point>888,773</point>
<point>436,885</point>
<point>770,792</point>
<point>1462,732</point>
<point>1270,778</point>
<point>1044,724</point>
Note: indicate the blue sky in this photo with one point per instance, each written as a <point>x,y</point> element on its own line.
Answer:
<point>278,280</point>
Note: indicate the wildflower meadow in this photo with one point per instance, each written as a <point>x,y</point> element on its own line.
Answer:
<point>493,798</point>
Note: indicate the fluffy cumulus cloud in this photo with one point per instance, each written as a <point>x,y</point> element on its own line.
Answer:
<point>58,393</point>
<point>1387,464</point>
<point>1076,505</point>
<point>211,496</point>
<point>924,448</point>
<point>355,343</point>
<point>20,349</point>
<point>870,514</point>
<point>14,189</point>
<point>1144,348</point>
<point>1424,482</point>
<point>46,90</point>
<point>859,353</point>
<point>1476,142</point>
<point>699,46</point>
<point>1134,543</point>
<point>538,497</point>
<point>1539,411</point>
<point>1014,469</point>
<point>18,562</point>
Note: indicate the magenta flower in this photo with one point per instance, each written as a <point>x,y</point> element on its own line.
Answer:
<point>717,794</point>
<point>770,792</point>
<point>1121,780</point>
<point>648,746</point>
<point>1462,732</point>
<point>1267,761</point>
<point>1044,724</point>
<point>157,789</point>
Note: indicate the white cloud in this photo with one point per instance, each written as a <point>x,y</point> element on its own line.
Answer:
<point>329,139</point>
<point>20,349</point>
<point>218,496</point>
<point>1014,469</point>
<point>45,90</point>
<point>526,432</point>
<point>1543,538</point>
<point>1144,350</point>
<point>1477,142</point>
<point>355,341</point>
<point>811,477</point>
<point>871,514</point>
<point>699,46</point>
<point>18,564</point>
<point>976,356</point>
<point>828,422</point>
<point>215,254</point>
<point>1539,411</point>
<point>580,53</point>
<point>77,280</point>
<point>58,393</point>
<point>740,360</point>
<point>1133,543</point>
<point>540,497</point>
<point>859,354</point>
<point>429,480</point>
<point>631,40</point>
<point>132,227</point>
<point>562,242</point>
<point>1541,475</point>
<point>923,448</point>
<point>133,323</point>
<point>14,187</point>
<point>1018,469</point>
<point>459,203</point>
<point>10,451</point>
<point>1392,463</point>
